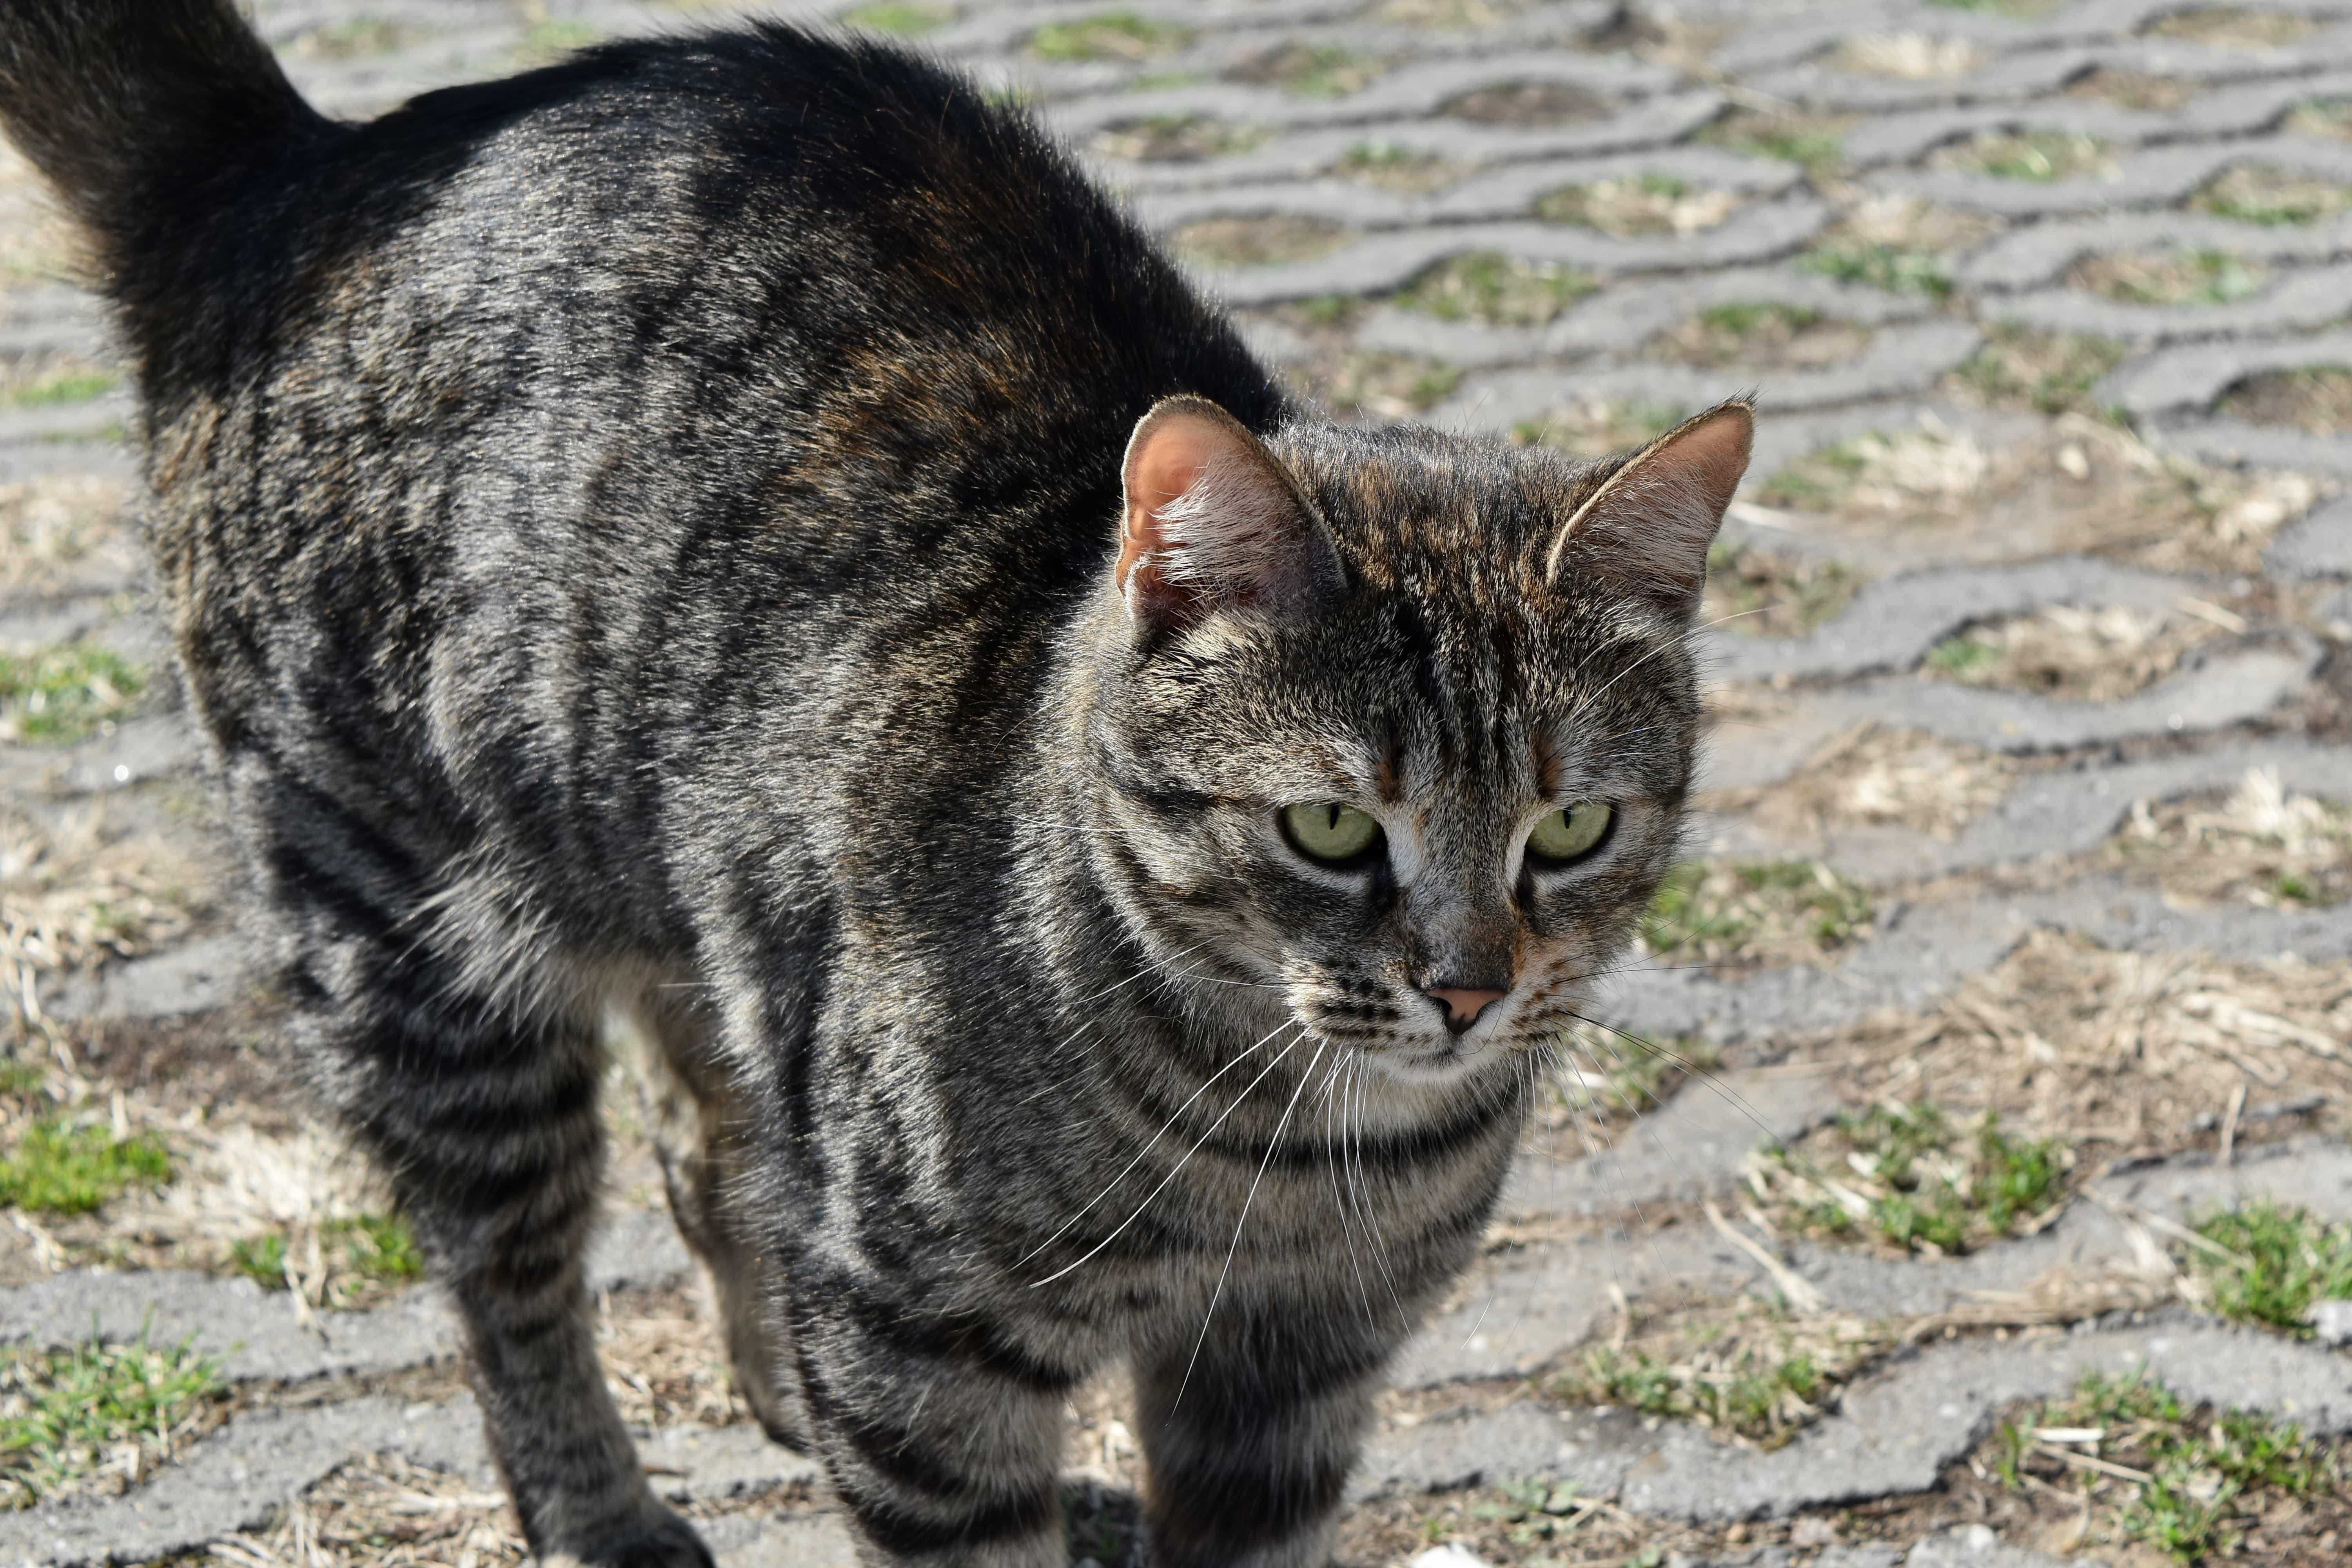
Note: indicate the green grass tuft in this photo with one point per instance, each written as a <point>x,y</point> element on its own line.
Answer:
<point>900,18</point>
<point>64,1412</point>
<point>1884,266</point>
<point>2291,1258</point>
<point>61,694</point>
<point>65,387</point>
<point>1487,286</point>
<point>376,1247</point>
<point>1113,36</point>
<point>59,1167</point>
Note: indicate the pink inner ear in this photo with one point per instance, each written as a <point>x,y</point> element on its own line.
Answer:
<point>1165,460</point>
<point>1715,454</point>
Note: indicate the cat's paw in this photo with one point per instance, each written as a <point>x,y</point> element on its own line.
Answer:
<point>659,1541</point>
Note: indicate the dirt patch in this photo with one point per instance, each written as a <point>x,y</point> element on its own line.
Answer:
<point>2115,1054</point>
<point>2317,399</point>
<point>2039,156</point>
<point>1121,35</point>
<point>1308,70</point>
<point>2077,484</point>
<point>1887,778</point>
<point>1377,387</point>
<point>1596,426</point>
<point>1759,337</point>
<point>2073,654</point>
<point>2232,27</point>
<point>2049,373</point>
<point>2170,277</point>
<point>2256,844</point>
<point>356,39</point>
<point>1387,167</point>
<point>1175,139</point>
<point>1495,289</point>
<point>2266,194</point>
<point>66,533</point>
<point>1260,241</point>
<point>1649,205</point>
<point>1793,135</point>
<point>1530,104</point>
<point>2136,90</point>
<point>1906,57</point>
<point>1734,915</point>
<point>2330,117</point>
<point>1757,592</point>
<point>1905,244</point>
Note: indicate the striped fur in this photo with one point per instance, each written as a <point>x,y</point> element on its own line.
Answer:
<point>642,538</point>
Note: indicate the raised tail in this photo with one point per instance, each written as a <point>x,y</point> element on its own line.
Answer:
<point>145,115</point>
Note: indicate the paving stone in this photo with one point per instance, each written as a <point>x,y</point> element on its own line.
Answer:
<point>1689,1148</point>
<point>2027,257</point>
<point>1381,262</point>
<point>711,1464</point>
<point>1900,358</point>
<point>801,1541</point>
<point>1920,954</point>
<point>154,745</point>
<point>1622,318</point>
<point>1892,1435</point>
<point>2299,301</point>
<point>194,977</point>
<point>2154,176</point>
<point>236,1478</point>
<point>2259,446</point>
<point>259,1336</point>
<point>2190,377</point>
<point>1893,622</point>
<point>2317,544</point>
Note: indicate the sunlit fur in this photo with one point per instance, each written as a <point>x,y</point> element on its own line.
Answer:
<point>642,545</point>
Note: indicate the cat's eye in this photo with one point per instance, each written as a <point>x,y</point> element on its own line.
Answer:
<point>1328,831</point>
<point>1571,833</point>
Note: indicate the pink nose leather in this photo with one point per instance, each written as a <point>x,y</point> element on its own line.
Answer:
<point>1462,1008</point>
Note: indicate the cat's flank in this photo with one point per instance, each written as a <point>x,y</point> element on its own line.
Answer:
<point>734,533</point>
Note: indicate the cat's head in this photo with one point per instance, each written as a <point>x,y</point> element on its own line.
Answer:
<point>1393,730</point>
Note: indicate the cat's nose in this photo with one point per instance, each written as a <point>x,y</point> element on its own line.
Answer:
<point>1462,1004</point>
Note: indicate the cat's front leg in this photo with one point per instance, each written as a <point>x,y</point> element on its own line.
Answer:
<point>1250,1433</point>
<point>942,1427</point>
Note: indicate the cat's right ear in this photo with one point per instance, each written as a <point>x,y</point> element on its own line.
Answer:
<point>1213,521</point>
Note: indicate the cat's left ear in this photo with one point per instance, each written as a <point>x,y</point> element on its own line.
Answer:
<point>1213,521</point>
<point>1650,524</point>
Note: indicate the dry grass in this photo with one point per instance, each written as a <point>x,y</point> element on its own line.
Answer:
<point>1886,777</point>
<point>1595,426</point>
<point>1259,241</point>
<point>1387,167</point>
<point>1756,593</point>
<point>2257,845</point>
<point>1761,338</point>
<point>1175,139</point>
<point>1745,915</point>
<point>1908,223</point>
<point>2036,155</point>
<point>2072,653</point>
<point>2265,194</point>
<point>2329,117</point>
<point>2136,90</point>
<point>1309,71</point>
<point>1377,386</point>
<point>1495,289</point>
<point>60,532</point>
<point>1451,13</point>
<point>383,1511</point>
<point>1648,204</point>
<point>2232,27</point>
<point>2170,277</point>
<point>1908,57</point>
<point>664,1361</point>
<point>1793,134</point>
<point>2110,1050</point>
<point>80,886</point>
<point>2049,373</point>
<point>37,243</point>
<point>2079,484</point>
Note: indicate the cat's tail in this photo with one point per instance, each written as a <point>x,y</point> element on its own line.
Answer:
<point>144,115</point>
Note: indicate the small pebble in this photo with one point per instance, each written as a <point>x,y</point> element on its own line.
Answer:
<point>1449,1556</point>
<point>2333,1322</point>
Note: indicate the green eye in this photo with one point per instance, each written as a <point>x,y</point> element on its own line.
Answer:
<point>1327,830</point>
<point>1572,832</point>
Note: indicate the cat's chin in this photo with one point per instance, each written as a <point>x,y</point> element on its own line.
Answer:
<point>1435,1065</point>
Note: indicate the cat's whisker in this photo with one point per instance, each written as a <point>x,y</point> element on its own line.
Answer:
<point>1173,1118</point>
<point>1376,1240</point>
<point>1174,1171</point>
<point>1249,1200</point>
<point>1667,647</point>
<point>1705,1075</point>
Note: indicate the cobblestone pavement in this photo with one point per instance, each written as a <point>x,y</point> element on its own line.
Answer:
<point>2027,795</point>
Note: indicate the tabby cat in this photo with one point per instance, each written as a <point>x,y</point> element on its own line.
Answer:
<point>733,535</point>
